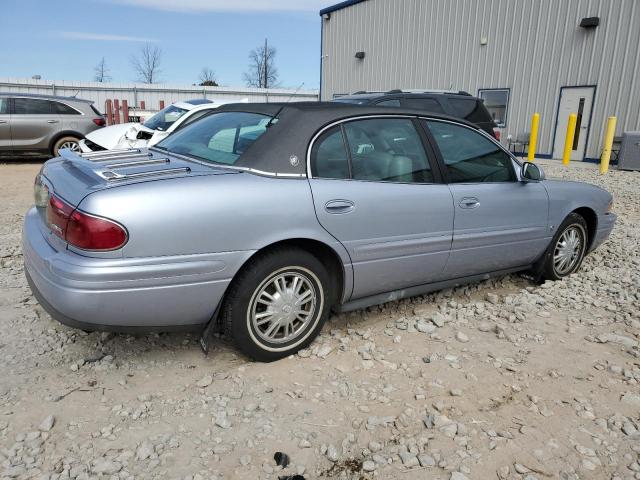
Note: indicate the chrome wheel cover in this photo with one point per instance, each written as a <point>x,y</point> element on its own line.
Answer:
<point>568,250</point>
<point>283,306</point>
<point>73,146</point>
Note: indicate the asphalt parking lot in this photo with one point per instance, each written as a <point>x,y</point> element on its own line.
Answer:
<point>501,379</point>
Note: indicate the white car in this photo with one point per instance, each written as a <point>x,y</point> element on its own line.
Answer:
<point>156,128</point>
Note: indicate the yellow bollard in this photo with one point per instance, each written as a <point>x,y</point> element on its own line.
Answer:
<point>608,143</point>
<point>568,140</point>
<point>535,120</point>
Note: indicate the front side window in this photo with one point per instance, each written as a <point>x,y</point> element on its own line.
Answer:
<point>218,138</point>
<point>165,118</point>
<point>4,106</point>
<point>469,156</point>
<point>32,106</point>
<point>496,101</point>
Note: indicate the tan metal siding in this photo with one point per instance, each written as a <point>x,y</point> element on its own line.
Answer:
<point>535,47</point>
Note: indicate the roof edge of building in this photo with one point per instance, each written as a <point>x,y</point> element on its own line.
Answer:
<point>340,6</point>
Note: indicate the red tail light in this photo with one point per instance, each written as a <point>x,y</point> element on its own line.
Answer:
<point>99,121</point>
<point>82,230</point>
<point>58,213</point>
<point>496,134</point>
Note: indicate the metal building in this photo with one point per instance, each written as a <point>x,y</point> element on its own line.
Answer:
<point>522,56</point>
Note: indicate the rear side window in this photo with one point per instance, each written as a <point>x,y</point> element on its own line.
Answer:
<point>375,150</point>
<point>469,156</point>
<point>32,106</point>
<point>394,102</point>
<point>470,109</point>
<point>4,106</point>
<point>218,138</point>
<point>62,109</point>
<point>426,104</point>
<point>329,155</point>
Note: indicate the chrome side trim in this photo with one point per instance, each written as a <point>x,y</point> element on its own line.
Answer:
<point>138,163</point>
<point>411,116</point>
<point>114,176</point>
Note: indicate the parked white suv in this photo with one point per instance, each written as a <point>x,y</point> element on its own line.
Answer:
<point>139,135</point>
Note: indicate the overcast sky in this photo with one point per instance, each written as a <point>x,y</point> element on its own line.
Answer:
<point>65,39</point>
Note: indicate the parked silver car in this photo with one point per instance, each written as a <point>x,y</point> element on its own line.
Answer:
<point>42,124</point>
<point>264,217</point>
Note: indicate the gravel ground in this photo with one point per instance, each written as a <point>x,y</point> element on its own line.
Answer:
<point>501,379</point>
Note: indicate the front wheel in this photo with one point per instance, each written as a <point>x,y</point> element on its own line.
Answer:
<point>277,304</point>
<point>567,249</point>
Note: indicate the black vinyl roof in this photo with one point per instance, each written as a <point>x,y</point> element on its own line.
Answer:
<point>296,125</point>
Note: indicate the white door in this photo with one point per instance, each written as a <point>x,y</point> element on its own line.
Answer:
<point>576,100</point>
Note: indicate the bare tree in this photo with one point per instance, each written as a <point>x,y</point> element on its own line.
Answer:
<point>208,78</point>
<point>101,72</point>
<point>147,63</point>
<point>262,71</point>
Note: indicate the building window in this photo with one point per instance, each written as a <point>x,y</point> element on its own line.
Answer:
<point>497,102</point>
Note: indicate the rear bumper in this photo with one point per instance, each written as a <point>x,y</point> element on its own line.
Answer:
<point>605,226</point>
<point>141,294</point>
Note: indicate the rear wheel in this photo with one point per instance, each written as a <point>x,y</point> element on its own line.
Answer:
<point>277,304</point>
<point>66,142</point>
<point>567,249</point>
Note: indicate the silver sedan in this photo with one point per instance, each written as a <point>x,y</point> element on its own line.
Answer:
<point>261,218</point>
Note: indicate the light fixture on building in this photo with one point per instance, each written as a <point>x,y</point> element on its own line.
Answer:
<point>590,22</point>
<point>484,40</point>
<point>326,16</point>
<point>360,55</point>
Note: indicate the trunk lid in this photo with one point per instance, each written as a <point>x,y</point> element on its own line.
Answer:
<point>73,176</point>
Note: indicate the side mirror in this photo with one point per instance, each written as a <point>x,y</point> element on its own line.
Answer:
<point>531,172</point>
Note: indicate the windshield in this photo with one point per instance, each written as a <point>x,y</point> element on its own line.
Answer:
<point>165,118</point>
<point>219,138</point>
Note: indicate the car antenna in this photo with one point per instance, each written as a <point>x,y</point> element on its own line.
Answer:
<point>75,94</point>
<point>296,91</point>
<point>270,122</point>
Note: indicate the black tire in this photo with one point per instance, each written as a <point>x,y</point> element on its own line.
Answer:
<point>63,142</point>
<point>245,301</point>
<point>577,224</point>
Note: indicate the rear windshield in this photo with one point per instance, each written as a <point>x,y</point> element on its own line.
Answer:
<point>358,101</point>
<point>218,138</point>
<point>470,109</point>
<point>165,118</point>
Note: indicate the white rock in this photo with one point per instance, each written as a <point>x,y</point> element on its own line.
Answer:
<point>332,453</point>
<point>205,381</point>
<point>461,337</point>
<point>47,424</point>
<point>369,466</point>
<point>105,466</point>
<point>458,476</point>
<point>144,451</point>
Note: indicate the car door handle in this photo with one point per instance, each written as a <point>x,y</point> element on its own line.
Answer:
<point>3,121</point>
<point>52,121</point>
<point>339,206</point>
<point>469,202</point>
